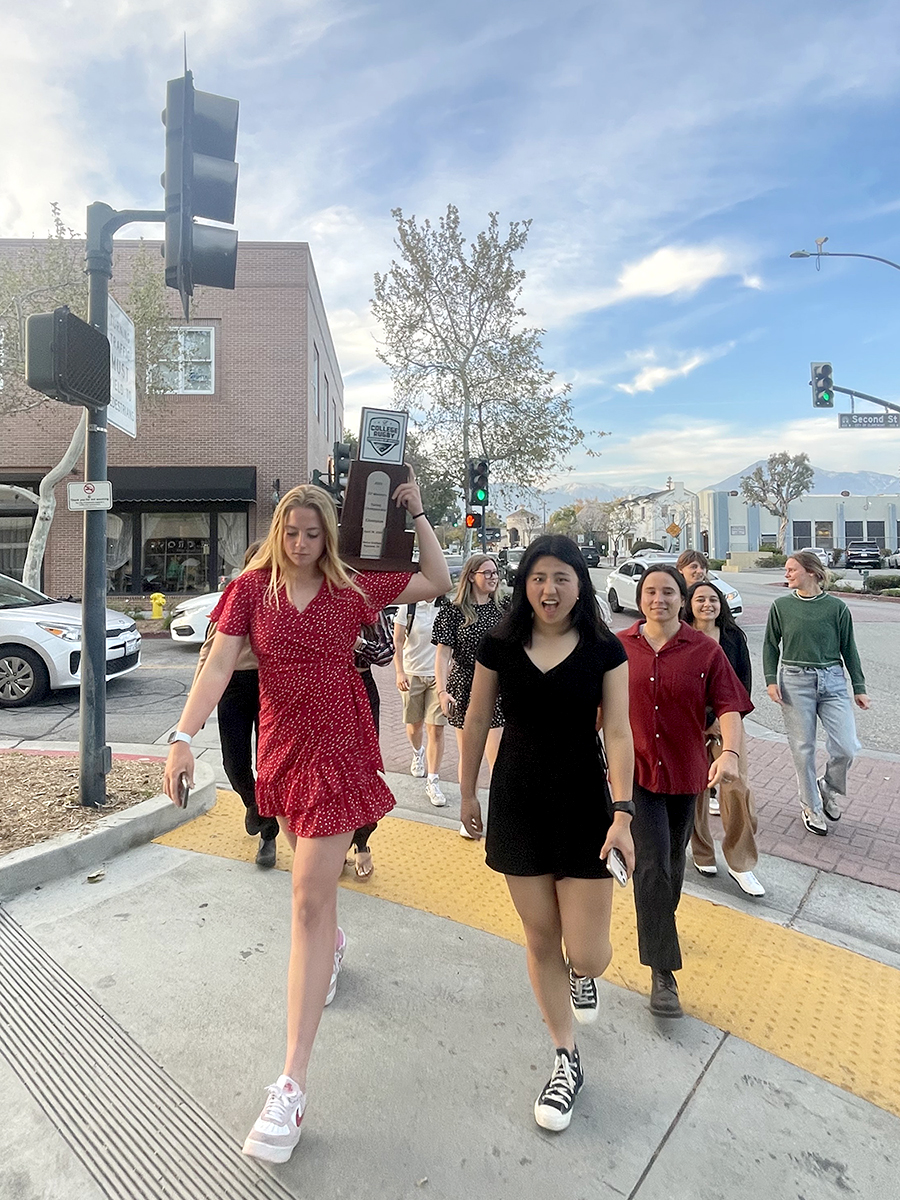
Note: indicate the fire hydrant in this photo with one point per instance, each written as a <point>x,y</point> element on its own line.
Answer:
<point>158,603</point>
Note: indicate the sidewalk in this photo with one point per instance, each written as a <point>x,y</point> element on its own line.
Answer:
<point>864,844</point>
<point>143,1016</point>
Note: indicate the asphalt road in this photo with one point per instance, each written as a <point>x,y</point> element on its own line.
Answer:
<point>143,706</point>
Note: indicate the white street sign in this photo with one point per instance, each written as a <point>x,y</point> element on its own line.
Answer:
<point>122,410</point>
<point>90,494</point>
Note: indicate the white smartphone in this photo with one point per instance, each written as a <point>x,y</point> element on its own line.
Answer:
<point>615,864</point>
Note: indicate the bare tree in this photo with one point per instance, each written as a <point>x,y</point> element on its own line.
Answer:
<point>784,478</point>
<point>461,358</point>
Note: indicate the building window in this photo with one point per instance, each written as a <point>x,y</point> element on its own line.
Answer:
<point>15,533</point>
<point>334,423</point>
<point>824,535</point>
<point>326,403</point>
<point>316,381</point>
<point>802,534</point>
<point>853,531</point>
<point>191,371</point>
<point>875,532</point>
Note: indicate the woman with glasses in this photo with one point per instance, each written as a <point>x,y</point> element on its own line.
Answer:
<point>458,632</point>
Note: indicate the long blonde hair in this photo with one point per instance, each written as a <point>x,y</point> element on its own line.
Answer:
<point>463,598</point>
<point>271,556</point>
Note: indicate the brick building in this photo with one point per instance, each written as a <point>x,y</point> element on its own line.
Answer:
<point>256,402</point>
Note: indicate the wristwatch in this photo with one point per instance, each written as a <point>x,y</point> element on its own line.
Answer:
<point>625,806</point>
<point>178,735</point>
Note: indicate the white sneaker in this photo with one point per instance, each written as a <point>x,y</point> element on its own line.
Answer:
<point>463,832</point>
<point>417,766</point>
<point>747,882</point>
<point>434,793</point>
<point>714,810</point>
<point>277,1128</point>
<point>713,870</point>
<point>338,959</point>
<point>814,822</point>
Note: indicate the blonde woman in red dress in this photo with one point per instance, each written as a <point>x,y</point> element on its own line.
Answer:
<point>318,759</point>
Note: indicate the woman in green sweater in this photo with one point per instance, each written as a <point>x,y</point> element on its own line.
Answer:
<point>813,633</point>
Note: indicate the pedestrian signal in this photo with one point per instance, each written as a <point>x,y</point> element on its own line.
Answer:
<point>473,520</point>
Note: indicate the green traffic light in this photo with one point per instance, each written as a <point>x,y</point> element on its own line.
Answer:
<point>480,495</point>
<point>827,397</point>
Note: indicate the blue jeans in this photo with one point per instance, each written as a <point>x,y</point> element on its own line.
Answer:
<point>810,692</point>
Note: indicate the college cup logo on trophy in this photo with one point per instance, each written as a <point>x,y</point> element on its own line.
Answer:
<point>373,535</point>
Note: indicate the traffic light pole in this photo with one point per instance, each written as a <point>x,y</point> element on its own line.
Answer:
<point>863,396</point>
<point>95,755</point>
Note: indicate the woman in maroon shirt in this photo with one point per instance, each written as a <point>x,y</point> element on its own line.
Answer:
<point>675,674</point>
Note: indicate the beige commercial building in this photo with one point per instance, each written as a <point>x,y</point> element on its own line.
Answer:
<point>256,403</point>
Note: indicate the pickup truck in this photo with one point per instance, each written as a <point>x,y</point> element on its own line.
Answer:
<point>862,556</point>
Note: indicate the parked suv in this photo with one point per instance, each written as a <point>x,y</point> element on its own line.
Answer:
<point>862,556</point>
<point>591,555</point>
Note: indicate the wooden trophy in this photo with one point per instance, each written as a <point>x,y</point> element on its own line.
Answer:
<point>373,534</point>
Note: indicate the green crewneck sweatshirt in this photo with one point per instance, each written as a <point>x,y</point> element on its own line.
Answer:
<point>811,632</point>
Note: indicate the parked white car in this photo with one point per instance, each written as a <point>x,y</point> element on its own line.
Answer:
<point>621,584</point>
<point>191,618</point>
<point>821,555</point>
<point>40,644</point>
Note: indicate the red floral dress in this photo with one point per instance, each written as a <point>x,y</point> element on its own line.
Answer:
<point>318,756</point>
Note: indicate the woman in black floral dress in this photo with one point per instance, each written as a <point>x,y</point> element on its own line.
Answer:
<point>458,631</point>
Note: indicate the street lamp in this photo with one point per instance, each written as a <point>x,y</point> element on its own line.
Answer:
<point>820,253</point>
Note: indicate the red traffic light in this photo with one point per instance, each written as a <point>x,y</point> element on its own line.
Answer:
<point>473,520</point>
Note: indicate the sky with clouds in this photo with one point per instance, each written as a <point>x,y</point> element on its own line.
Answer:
<point>670,155</point>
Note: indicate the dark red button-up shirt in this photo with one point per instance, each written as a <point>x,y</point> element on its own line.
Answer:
<point>670,692</point>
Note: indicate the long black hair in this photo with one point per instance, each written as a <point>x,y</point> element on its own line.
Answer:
<point>517,624</point>
<point>725,619</point>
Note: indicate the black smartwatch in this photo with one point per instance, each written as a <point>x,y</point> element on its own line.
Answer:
<point>625,806</point>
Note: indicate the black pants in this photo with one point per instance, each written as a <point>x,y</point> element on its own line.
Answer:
<point>362,835</point>
<point>661,829</point>
<point>238,722</point>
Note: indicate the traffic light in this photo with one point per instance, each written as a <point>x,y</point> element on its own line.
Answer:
<point>67,359</point>
<point>478,481</point>
<point>473,520</point>
<point>340,468</point>
<point>200,180</point>
<point>822,385</point>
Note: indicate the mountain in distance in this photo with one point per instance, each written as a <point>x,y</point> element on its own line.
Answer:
<point>826,483</point>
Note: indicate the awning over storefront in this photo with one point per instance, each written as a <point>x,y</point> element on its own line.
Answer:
<point>186,485</point>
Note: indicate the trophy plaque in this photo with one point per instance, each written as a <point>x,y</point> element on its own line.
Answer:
<point>373,535</point>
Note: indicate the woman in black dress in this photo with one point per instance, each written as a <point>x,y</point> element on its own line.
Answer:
<point>458,630</point>
<point>553,663</point>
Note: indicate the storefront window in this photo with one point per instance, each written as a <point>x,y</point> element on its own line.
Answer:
<point>875,532</point>
<point>232,527</point>
<point>118,551</point>
<point>175,551</point>
<point>802,533</point>
<point>14,535</point>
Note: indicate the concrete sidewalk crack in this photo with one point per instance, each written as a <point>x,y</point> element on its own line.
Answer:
<point>799,909</point>
<point>675,1120</point>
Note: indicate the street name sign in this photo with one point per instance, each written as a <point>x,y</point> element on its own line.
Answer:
<point>885,420</point>
<point>90,494</point>
<point>122,411</point>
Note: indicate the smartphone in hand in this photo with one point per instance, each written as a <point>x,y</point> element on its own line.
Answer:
<point>182,791</point>
<point>615,864</point>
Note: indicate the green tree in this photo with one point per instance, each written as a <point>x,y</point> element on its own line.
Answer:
<point>46,274</point>
<point>564,520</point>
<point>784,478</point>
<point>462,360</point>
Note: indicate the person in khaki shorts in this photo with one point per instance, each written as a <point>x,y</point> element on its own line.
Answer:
<point>414,663</point>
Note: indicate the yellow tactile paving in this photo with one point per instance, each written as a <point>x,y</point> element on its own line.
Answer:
<point>822,1008</point>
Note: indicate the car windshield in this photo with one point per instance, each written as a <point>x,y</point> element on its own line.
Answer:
<point>16,595</point>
